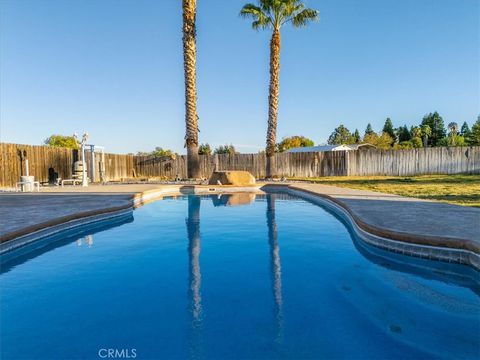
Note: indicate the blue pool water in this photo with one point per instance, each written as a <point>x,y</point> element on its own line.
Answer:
<point>196,277</point>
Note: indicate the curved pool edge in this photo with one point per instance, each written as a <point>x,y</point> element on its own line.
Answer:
<point>82,219</point>
<point>405,243</point>
<point>30,234</point>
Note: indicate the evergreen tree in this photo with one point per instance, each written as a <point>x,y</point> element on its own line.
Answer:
<point>435,122</point>
<point>341,135</point>
<point>369,130</point>
<point>465,130</point>
<point>356,136</point>
<point>403,134</point>
<point>474,138</point>
<point>388,129</point>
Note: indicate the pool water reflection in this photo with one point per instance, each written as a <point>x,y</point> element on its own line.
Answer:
<point>200,277</point>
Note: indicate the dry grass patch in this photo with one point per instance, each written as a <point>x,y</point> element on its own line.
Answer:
<point>455,189</point>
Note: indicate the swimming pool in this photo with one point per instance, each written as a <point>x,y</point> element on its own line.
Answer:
<point>232,276</point>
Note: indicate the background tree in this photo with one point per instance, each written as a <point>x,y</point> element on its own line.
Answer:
<point>452,140</point>
<point>356,137</point>
<point>416,134</point>
<point>417,142</point>
<point>465,130</point>
<point>403,134</point>
<point>369,130</point>
<point>158,152</point>
<point>273,14</point>
<point>62,141</point>
<point>388,129</point>
<point>474,138</point>
<point>382,141</point>
<point>161,152</point>
<point>341,135</point>
<point>189,64</point>
<point>415,131</point>
<point>437,127</point>
<point>385,141</point>
<point>225,149</point>
<point>426,133</point>
<point>371,138</point>
<point>204,149</point>
<point>293,142</point>
<point>452,128</point>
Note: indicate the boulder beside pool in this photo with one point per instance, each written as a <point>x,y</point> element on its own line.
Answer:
<point>237,178</point>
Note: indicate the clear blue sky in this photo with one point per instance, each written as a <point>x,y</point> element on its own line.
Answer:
<point>115,69</point>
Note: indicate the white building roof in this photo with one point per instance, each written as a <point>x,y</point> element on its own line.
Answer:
<point>323,148</point>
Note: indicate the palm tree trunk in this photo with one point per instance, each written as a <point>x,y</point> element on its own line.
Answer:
<point>189,63</point>
<point>274,91</point>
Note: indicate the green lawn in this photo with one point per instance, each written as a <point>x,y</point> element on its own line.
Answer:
<point>455,189</point>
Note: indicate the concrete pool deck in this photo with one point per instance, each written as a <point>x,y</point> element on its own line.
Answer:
<point>394,217</point>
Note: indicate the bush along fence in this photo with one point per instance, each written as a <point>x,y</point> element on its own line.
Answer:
<point>47,162</point>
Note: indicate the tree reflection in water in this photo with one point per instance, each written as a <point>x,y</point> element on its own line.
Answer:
<point>275,265</point>
<point>195,277</point>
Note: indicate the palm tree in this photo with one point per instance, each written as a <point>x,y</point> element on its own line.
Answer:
<point>272,15</point>
<point>189,64</point>
<point>453,128</point>
<point>426,132</point>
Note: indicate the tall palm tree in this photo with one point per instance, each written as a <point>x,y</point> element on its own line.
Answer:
<point>272,15</point>
<point>189,64</point>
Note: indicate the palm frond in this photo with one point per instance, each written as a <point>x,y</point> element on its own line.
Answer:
<point>251,11</point>
<point>261,20</point>
<point>275,13</point>
<point>260,24</point>
<point>289,9</point>
<point>304,17</point>
<point>266,5</point>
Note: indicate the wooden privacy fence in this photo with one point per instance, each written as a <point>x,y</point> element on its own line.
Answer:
<point>44,160</point>
<point>40,160</point>
<point>439,160</point>
<point>116,166</point>
<point>289,165</point>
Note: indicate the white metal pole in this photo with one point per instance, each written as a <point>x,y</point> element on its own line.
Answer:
<point>92,163</point>
<point>102,167</point>
<point>27,173</point>
<point>84,167</point>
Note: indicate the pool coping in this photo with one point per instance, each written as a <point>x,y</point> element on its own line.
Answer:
<point>411,245</point>
<point>436,248</point>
